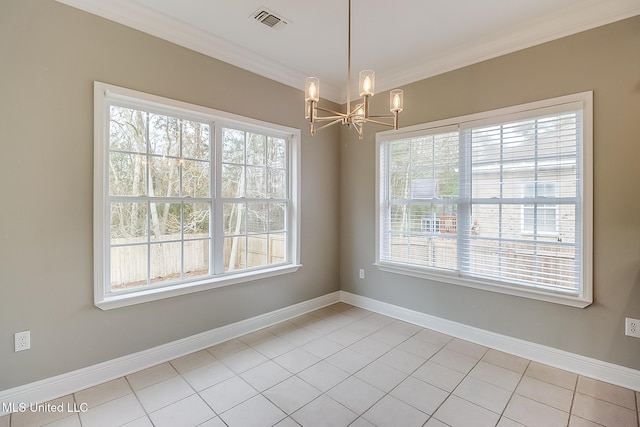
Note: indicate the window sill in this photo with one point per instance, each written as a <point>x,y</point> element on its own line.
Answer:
<point>573,299</point>
<point>117,300</point>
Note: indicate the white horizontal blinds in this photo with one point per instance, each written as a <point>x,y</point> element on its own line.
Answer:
<point>419,178</point>
<point>525,204</point>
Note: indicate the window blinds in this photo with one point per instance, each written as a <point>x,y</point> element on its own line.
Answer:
<point>495,199</point>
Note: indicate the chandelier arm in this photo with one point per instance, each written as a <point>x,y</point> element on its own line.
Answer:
<point>378,122</point>
<point>331,111</point>
<point>326,125</point>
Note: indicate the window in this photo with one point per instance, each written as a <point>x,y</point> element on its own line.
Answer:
<point>500,200</point>
<point>188,198</point>
<point>540,218</point>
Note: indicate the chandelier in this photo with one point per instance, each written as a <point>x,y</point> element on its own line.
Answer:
<point>360,113</point>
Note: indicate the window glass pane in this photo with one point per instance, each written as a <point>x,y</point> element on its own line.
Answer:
<point>165,177</point>
<point>277,183</point>
<point>256,182</point>
<point>276,152</point>
<point>196,140</point>
<point>233,181</point>
<point>127,174</point>
<point>277,248</point>
<point>128,223</point>
<point>257,217</point>
<point>277,216</point>
<point>165,262</point>
<point>234,253</point>
<point>128,267</point>
<point>256,146</point>
<point>196,178</point>
<point>196,220</point>
<point>127,130</point>
<point>258,250</point>
<point>164,135</point>
<point>234,218</point>
<point>165,221</point>
<point>196,258</point>
<point>233,146</point>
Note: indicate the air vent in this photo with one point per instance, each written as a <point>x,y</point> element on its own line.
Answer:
<point>268,18</point>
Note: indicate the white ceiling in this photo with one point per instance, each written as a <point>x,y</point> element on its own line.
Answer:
<point>402,40</point>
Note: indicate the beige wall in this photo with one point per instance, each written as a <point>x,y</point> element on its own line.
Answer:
<point>605,60</point>
<point>50,54</point>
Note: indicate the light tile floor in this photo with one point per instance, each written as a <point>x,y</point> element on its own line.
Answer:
<point>345,366</point>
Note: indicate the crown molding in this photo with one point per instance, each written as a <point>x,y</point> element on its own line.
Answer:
<point>557,25</point>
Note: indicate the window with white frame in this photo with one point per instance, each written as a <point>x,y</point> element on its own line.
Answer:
<point>188,198</point>
<point>500,200</point>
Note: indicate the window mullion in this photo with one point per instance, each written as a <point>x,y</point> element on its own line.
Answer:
<point>464,205</point>
<point>217,257</point>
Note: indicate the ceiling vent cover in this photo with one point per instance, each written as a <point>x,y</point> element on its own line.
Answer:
<point>268,18</point>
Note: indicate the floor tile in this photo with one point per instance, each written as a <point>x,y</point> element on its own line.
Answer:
<point>467,348</point>
<point>607,392</point>
<point>191,411</point>
<point>256,337</point>
<point>164,393</point>
<point>292,394</point>
<point>140,422</point>
<point>390,411</point>
<point>192,361</point>
<point>255,412</point>
<point>323,375</point>
<point>547,393</point>
<point>439,376</point>
<point>274,347</point>
<point>243,360</point>
<point>340,366</point>
<point>229,393</point>
<point>552,375</point>
<point>72,421</point>
<point>454,360</point>
<point>266,375</point>
<point>420,348</point>
<point>505,360</point>
<point>496,375</point>
<point>381,376</point>
<point>36,415</point>
<point>530,412</point>
<point>419,394</point>
<point>322,347</point>
<point>483,394</point>
<point>324,411</point>
<point>356,394</point>
<point>208,375</point>
<point>150,376</point>
<point>115,412</point>
<point>103,393</point>
<point>457,412</point>
<point>402,360</point>
<point>349,360</point>
<point>296,360</point>
<point>371,347</point>
<point>601,412</point>
<point>227,348</point>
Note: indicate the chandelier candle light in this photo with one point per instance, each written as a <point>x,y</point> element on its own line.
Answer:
<point>360,114</point>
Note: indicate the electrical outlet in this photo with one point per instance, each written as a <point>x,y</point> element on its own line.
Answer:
<point>23,340</point>
<point>632,327</point>
<point>362,273</point>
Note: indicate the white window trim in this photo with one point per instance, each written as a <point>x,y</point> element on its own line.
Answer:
<point>584,296</point>
<point>105,300</point>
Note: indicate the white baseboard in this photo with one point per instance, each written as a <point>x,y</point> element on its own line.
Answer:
<point>64,384</point>
<point>593,368</point>
<point>61,385</point>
